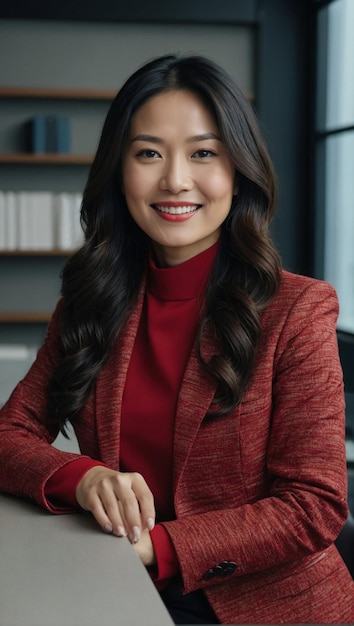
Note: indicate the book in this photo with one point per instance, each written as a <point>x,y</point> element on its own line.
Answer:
<point>2,221</point>
<point>35,220</point>
<point>78,233</point>
<point>51,133</point>
<point>63,220</point>
<point>63,136</point>
<point>42,216</point>
<point>25,236</point>
<point>11,220</point>
<point>48,133</point>
<point>35,134</point>
<point>69,233</point>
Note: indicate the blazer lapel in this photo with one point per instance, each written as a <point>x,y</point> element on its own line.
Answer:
<point>110,389</point>
<point>195,397</point>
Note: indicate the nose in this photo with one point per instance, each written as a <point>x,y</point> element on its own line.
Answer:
<point>176,176</point>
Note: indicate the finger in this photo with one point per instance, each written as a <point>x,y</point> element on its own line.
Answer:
<point>146,501</point>
<point>136,505</point>
<point>95,506</point>
<point>110,505</point>
<point>130,514</point>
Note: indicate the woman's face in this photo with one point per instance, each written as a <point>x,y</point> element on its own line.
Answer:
<point>178,180</point>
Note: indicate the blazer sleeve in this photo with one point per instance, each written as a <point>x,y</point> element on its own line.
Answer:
<point>27,459</point>
<point>305,504</point>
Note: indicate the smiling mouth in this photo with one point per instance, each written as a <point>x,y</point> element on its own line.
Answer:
<point>176,210</point>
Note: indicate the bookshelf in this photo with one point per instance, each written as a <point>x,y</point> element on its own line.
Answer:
<point>54,252</point>
<point>55,172</point>
<point>56,94</point>
<point>23,158</point>
<point>36,317</point>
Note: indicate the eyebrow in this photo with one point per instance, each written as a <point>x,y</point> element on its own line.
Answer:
<point>159,140</point>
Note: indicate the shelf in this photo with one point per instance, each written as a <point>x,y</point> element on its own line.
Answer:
<point>18,158</point>
<point>57,94</point>
<point>45,253</point>
<point>25,318</point>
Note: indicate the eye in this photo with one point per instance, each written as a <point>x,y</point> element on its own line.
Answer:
<point>148,154</point>
<point>203,154</point>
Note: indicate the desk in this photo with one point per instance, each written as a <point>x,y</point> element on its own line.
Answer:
<point>62,570</point>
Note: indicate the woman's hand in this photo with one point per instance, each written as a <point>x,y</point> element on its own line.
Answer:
<point>121,502</point>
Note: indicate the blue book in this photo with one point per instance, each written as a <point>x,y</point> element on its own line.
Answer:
<point>63,134</point>
<point>51,133</point>
<point>35,134</point>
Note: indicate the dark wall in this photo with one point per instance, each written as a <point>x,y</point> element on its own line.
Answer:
<point>285,106</point>
<point>134,11</point>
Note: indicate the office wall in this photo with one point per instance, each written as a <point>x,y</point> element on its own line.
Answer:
<point>102,55</point>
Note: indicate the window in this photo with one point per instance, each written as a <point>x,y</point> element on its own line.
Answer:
<point>335,154</point>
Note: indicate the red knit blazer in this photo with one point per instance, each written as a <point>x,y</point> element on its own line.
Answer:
<point>264,487</point>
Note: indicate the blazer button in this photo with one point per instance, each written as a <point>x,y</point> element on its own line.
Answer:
<point>210,573</point>
<point>225,568</point>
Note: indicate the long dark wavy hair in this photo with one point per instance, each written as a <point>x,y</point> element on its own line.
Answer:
<point>100,282</point>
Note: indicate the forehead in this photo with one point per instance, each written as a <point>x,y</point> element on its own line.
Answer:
<point>174,110</point>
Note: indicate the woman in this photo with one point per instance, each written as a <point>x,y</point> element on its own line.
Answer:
<point>202,381</point>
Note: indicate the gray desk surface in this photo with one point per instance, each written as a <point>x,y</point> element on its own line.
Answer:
<point>62,570</point>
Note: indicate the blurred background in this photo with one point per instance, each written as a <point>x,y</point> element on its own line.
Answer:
<point>65,60</point>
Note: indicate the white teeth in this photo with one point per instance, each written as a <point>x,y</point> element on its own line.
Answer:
<point>176,210</point>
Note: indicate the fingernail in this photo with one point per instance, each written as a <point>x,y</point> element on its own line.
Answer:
<point>150,523</point>
<point>135,534</point>
<point>108,528</point>
<point>121,531</point>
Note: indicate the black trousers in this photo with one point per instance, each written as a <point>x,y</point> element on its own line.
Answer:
<point>191,608</point>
